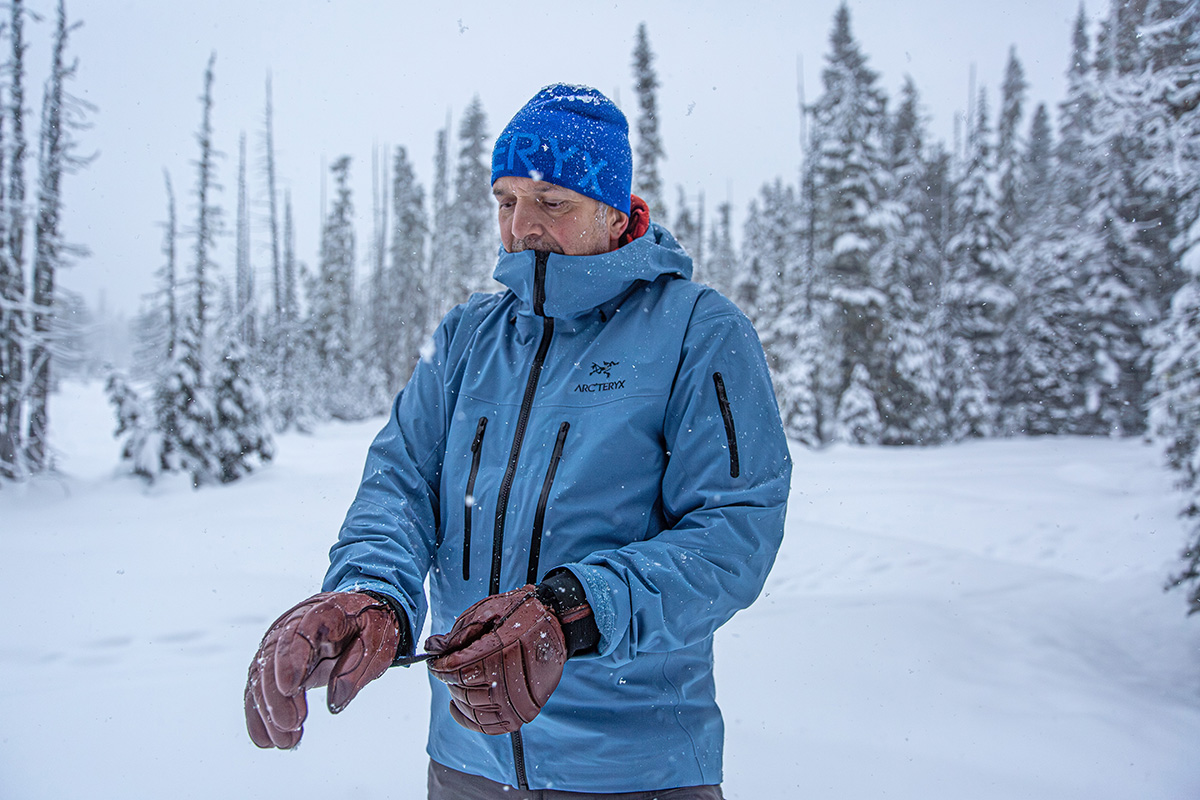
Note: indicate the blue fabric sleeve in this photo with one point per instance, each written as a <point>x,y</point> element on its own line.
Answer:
<point>389,537</point>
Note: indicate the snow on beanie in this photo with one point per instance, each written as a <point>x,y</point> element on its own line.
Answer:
<point>571,136</point>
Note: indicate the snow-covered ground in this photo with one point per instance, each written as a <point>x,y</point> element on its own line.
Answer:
<point>976,621</point>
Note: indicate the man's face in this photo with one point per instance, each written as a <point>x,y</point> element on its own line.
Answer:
<point>535,215</point>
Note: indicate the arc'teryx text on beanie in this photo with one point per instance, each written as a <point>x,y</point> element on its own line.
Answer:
<point>571,136</point>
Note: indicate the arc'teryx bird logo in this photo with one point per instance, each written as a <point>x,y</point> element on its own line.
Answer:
<point>604,368</point>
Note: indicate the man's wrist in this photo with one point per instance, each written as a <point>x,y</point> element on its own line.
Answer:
<point>404,646</point>
<point>565,595</point>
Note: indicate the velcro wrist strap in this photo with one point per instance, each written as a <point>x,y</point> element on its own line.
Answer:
<point>565,596</point>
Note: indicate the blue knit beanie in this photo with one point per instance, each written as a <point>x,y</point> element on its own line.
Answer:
<point>571,136</point>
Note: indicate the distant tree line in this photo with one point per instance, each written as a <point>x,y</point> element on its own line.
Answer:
<point>1039,276</point>
<point>221,366</point>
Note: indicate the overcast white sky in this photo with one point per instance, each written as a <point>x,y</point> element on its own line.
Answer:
<point>354,74</point>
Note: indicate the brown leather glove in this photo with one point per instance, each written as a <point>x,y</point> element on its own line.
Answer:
<point>343,640</point>
<point>501,660</point>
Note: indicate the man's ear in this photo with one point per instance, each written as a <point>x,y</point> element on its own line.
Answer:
<point>618,221</point>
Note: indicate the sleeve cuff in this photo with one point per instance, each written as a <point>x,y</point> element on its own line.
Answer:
<point>404,646</point>
<point>565,595</point>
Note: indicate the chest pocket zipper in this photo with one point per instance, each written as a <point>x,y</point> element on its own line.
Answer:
<point>539,517</point>
<point>469,499</point>
<point>727,416</point>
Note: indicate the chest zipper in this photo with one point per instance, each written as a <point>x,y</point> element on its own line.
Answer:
<point>539,517</point>
<point>469,499</point>
<point>535,372</point>
<point>727,416</point>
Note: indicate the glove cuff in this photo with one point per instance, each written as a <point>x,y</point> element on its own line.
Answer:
<point>565,596</point>
<point>404,646</point>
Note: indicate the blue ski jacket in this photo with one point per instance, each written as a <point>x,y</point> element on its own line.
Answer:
<point>607,415</point>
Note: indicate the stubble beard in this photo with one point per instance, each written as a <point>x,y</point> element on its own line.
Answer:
<point>536,243</point>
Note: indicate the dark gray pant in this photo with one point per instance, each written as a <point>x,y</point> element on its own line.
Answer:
<point>450,784</point>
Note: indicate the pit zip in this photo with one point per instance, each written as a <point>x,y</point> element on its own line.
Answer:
<point>539,517</point>
<point>727,416</point>
<point>469,498</point>
<point>535,372</point>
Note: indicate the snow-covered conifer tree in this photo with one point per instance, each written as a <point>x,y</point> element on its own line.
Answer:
<point>242,433</point>
<point>1121,237</point>
<point>439,232</point>
<point>721,264</point>
<point>1038,171</point>
<point>857,415</point>
<point>1049,367</point>
<point>1011,194</point>
<point>848,170</point>
<point>472,238</point>
<point>143,441</point>
<point>1172,91</point>
<point>769,286</point>
<point>244,311</point>
<point>181,404</point>
<point>688,231</point>
<point>411,313</point>
<point>288,381</point>
<point>968,409</point>
<point>277,277</point>
<point>169,274</point>
<point>1075,122</point>
<point>797,374</point>
<point>278,352</point>
<point>979,292</point>
<point>185,415</point>
<point>747,284</point>
<point>373,327</point>
<point>331,301</point>
<point>1177,410</point>
<point>771,261</point>
<point>157,336</point>
<point>648,148</point>
<point>61,115</point>
<point>12,232</point>
<point>906,267</point>
<point>208,225</point>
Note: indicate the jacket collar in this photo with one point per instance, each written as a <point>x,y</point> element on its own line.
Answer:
<point>575,285</point>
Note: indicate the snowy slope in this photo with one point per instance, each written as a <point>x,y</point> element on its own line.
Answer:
<point>977,621</point>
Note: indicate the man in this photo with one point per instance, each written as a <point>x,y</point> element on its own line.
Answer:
<point>591,472</point>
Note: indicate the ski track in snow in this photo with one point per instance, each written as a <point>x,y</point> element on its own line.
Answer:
<point>982,620</point>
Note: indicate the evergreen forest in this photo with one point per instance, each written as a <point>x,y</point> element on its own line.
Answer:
<point>1037,276</point>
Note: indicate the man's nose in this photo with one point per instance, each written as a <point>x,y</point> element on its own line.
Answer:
<point>526,219</point>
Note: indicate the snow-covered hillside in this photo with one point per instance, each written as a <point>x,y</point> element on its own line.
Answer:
<point>979,621</point>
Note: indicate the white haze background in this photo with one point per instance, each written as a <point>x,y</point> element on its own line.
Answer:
<point>982,620</point>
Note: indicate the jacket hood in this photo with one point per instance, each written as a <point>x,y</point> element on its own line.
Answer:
<point>575,285</point>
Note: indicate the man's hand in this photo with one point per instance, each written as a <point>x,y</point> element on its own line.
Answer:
<point>501,660</point>
<point>343,640</point>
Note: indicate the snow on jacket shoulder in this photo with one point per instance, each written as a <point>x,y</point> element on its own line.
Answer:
<point>607,415</point>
